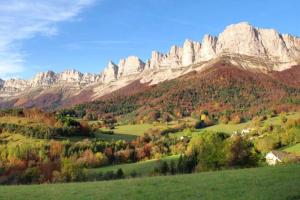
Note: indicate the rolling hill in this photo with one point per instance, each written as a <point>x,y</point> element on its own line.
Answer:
<point>267,57</point>
<point>257,183</point>
<point>222,87</point>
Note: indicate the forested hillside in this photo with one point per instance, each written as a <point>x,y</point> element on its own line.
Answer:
<point>223,90</point>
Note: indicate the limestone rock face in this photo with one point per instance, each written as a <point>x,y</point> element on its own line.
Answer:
<point>110,73</point>
<point>75,77</point>
<point>14,85</point>
<point>240,38</point>
<point>237,39</point>
<point>243,39</point>
<point>50,78</point>
<point>1,83</point>
<point>241,44</point>
<point>293,44</point>
<point>208,48</point>
<point>70,76</point>
<point>44,79</point>
<point>174,57</point>
<point>88,78</point>
<point>190,51</point>
<point>131,65</point>
<point>275,47</point>
<point>156,60</point>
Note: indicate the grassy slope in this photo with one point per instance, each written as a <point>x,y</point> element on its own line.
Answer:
<point>16,139</point>
<point>137,130</point>
<point>294,149</point>
<point>19,120</point>
<point>130,132</point>
<point>127,132</point>
<point>143,168</point>
<point>277,120</point>
<point>274,183</point>
<point>230,128</point>
<point>115,137</point>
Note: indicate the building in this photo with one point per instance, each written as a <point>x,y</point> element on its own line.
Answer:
<point>275,157</point>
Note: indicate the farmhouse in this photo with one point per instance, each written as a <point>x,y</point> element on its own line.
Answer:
<point>275,157</point>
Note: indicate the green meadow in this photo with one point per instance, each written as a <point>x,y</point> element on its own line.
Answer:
<point>293,149</point>
<point>143,168</point>
<point>276,183</point>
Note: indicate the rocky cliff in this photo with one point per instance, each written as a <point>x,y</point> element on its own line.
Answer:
<point>47,79</point>
<point>240,44</point>
<point>237,39</point>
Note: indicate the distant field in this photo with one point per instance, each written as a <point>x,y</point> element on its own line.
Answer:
<point>277,120</point>
<point>130,132</point>
<point>115,137</point>
<point>293,149</point>
<point>127,132</point>
<point>15,139</point>
<point>137,130</point>
<point>276,183</point>
<point>143,168</point>
<point>230,128</point>
<point>18,120</point>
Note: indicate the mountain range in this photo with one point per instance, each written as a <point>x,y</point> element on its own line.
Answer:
<point>251,49</point>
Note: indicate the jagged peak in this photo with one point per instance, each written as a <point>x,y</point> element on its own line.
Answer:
<point>239,25</point>
<point>111,64</point>
<point>236,39</point>
<point>208,37</point>
<point>133,58</point>
<point>156,53</point>
<point>188,41</point>
<point>71,71</point>
<point>49,72</point>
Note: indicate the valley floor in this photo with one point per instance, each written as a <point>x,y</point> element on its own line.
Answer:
<point>281,182</point>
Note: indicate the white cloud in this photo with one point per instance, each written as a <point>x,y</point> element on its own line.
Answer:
<point>24,19</point>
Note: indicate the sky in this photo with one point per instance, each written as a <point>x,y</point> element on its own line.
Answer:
<point>39,35</point>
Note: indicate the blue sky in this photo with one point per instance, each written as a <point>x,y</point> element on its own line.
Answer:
<point>38,35</point>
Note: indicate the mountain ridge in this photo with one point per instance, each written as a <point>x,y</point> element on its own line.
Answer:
<point>239,44</point>
<point>218,89</point>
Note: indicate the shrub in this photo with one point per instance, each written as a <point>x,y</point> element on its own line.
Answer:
<point>283,119</point>
<point>120,174</point>
<point>163,168</point>
<point>109,175</point>
<point>267,143</point>
<point>172,167</point>
<point>56,177</point>
<point>133,174</point>
<point>236,119</point>
<point>224,119</point>
<point>240,152</point>
<point>30,175</point>
<point>72,171</point>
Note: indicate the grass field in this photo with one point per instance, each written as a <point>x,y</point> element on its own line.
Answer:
<point>130,132</point>
<point>116,137</point>
<point>19,120</point>
<point>276,183</point>
<point>230,128</point>
<point>137,130</point>
<point>16,139</point>
<point>127,132</point>
<point>293,149</point>
<point>143,168</point>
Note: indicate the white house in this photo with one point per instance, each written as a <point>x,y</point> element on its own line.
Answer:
<point>246,131</point>
<point>275,157</point>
